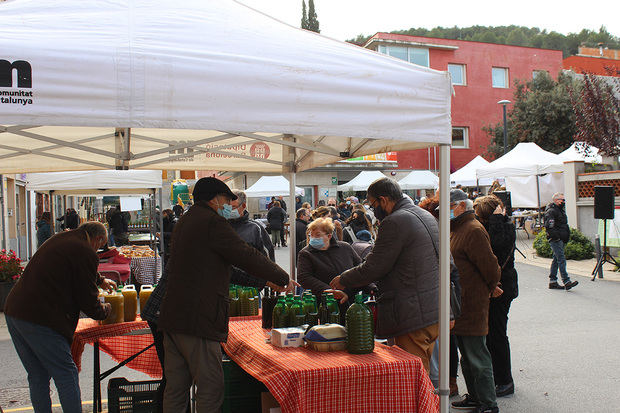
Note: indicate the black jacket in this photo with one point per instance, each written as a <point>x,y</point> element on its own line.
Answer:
<point>119,222</point>
<point>276,217</point>
<point>503,236</point>
<point>254,234</point>
<point>300,234</point>
<point>556,223</point>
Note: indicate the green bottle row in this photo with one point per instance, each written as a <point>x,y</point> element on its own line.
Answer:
<point>243,301</point>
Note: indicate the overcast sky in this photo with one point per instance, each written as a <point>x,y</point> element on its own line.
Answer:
<point>345,19</point>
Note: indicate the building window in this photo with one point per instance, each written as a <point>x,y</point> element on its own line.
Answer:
<point>535,73</point>
<point>460,137</point>
<point>457,73</point>
<point>500,77</point>
<point>416,55</point>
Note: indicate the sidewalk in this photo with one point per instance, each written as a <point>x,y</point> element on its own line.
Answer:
<point>582,268</point>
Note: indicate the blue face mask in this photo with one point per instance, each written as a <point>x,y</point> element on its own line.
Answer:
<point>451,214</point>
<point>224,210</point>
<point>317,243</point>
<point>234,214</point>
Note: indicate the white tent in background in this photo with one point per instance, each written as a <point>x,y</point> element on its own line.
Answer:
<point>525,159</point>
<point>271,186</point>
<point>102,182</point>
<point>573,154</point>
<point>466,176</point>
<point>419,180</point>
<point>361,181</point>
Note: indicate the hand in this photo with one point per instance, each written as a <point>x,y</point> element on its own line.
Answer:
<point>499,210</point>
<point>108,285</point>
<point>497,292</point>
<point>275,287</point>
<point>290,287</point>
<point>336,284</point>
<point>338,294</point>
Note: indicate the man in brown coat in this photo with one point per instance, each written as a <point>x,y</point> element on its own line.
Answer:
<point>194,311</point>
<point>42,311</point>
<point>479,276</point>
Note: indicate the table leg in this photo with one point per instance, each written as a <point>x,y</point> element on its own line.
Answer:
<point>96,378</point>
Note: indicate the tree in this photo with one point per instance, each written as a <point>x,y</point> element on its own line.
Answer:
<point>542,113</point>
<point>597,112</point>
<point>304,15</point>
<point>313,22</point>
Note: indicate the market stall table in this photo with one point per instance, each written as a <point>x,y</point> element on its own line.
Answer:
<point>124,270</point>
<point>519,218</point>
<point>129,344</point>
<point>146,270</point>
<point>301,380</point>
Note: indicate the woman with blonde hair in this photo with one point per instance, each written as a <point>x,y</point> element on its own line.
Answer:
<point>325,212</point>
<point>492,214</point>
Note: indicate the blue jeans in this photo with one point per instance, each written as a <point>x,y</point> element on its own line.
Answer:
<point>46,354</point>
<point>559,261</point>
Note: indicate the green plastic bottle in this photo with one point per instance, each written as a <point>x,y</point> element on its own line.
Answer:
<point>297,313</point>
<point>360,328</point>
<point>278,317</point>
<point>244,302</point>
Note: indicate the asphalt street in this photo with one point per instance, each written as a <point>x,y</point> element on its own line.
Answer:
<point>563,350</point>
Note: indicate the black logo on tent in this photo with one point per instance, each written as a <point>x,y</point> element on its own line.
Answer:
<point>24,73</point>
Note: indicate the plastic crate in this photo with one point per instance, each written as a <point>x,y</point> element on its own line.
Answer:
<point>137,396</point>
<point>242,392</point>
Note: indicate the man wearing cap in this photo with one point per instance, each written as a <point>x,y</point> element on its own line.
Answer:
<point>479,274</point>
<point>194,311</point>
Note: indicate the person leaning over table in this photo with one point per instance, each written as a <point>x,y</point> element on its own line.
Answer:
<point>43,308</point>
<point>404,265</point>
<point>194,310</point>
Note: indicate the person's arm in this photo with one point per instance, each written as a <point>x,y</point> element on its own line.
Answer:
<point>240,277</point>
<point>379,262</point>
<point>85,280</point>
<point>480,254</point>
<point>225,241</point>
<point>305,274</point>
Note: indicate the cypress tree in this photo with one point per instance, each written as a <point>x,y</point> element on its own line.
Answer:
<point>304,15</point>
<point>313,22</point>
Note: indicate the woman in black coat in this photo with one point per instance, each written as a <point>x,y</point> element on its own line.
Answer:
<point>276,217</point>
<point>491,213</point>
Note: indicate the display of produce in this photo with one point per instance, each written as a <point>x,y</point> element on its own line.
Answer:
<point>243,301</point>
<point>136,251</point>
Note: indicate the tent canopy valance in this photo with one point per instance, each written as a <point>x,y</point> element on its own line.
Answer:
<point>361,181</point>
<point>525,159</point>
<point>466,176</point>
<point>419,180</point>
<point>199,85</point>
<point>104,182</point>
<point>271,186</point>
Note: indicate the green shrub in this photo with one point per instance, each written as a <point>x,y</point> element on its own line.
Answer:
<point>578,247</point>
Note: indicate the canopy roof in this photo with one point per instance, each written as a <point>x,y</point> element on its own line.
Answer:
<point>466,176</point>
<point>361,181</point>
<point>154,84</point>
<point>271,186</point>
<point>108,182</point>
<point>573,153</point>
<point>419,180</point>
<point>525,159</point>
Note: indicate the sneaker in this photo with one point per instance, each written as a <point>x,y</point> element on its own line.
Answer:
<point>466,404</point>
<point>555,286</point>
<point>482,409</point>
<point>503,390</point>
<point>570,284</point>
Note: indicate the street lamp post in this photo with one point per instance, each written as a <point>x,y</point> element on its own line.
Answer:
<point>504,103</point>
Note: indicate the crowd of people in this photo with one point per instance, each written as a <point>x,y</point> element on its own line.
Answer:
<point>385,245</point>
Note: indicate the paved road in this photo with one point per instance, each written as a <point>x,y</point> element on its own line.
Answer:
<point>563,343</point>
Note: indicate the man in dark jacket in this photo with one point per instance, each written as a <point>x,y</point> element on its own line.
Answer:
<point>558,233</point>
<point>194,311</point>
<point>405,267</point>
<point>479,275</point>
<point>301,225</point>
<point>43,308</point>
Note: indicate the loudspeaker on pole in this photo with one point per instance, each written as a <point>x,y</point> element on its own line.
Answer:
<point>604,202</point>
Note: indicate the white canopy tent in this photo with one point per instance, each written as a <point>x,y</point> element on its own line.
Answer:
<point>525,159</point>
<point>271,186</point>
<point>572,153</point>
<point>102,84</point>
<point>104,182</point>
<point>419,180</point>
<point>466,176</point>
<point>361,181</point>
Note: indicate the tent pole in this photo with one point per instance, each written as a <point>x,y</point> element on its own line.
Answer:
<point>161,226</point>
<point>538,190</point>
<point>290,158</point>
<point>444,283</point>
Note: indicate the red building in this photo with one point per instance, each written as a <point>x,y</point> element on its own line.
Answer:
<point>602,62</point>
<point>482,75</point>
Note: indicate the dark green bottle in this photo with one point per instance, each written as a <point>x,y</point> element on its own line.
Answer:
<point>278,317</point>
<point>297,316</point>
<point>323,310</point>
<point>360,329</point>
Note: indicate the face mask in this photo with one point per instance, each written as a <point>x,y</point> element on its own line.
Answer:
<point>234,214</point>
<point>379,212</point>
<point>224,210</point>
<point>452,214</point>
<point>317,243</point>
<point>348,202</point>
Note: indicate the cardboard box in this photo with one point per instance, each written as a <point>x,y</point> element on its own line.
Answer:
<point>287,337</point>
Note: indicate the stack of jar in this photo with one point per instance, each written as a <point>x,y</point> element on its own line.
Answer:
<point>124,303</point>
<point>243,301</point>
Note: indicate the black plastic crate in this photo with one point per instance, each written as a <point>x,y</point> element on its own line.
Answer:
<point>137,396</point>
<point>242,392</point>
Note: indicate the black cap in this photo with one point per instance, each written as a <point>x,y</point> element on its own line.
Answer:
<point>207,188</point>
<point>456,195</point>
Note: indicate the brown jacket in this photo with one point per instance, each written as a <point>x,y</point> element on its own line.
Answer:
<point>203,248</point>
<point>479,273</point>
<point>60,280</point>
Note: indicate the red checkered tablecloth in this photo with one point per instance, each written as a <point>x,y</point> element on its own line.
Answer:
<point>146,270</point>
<point>388,380</point>
<point>119,347</point>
